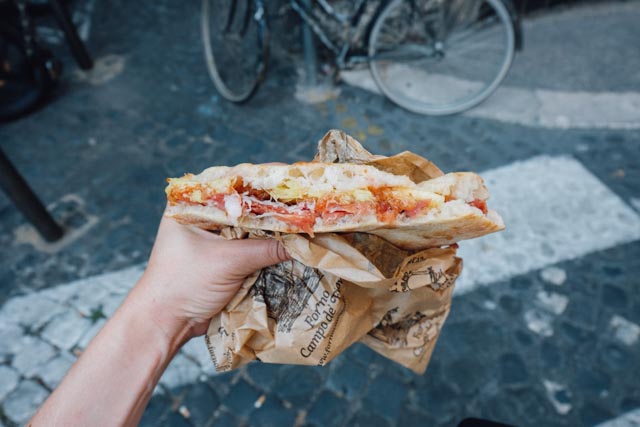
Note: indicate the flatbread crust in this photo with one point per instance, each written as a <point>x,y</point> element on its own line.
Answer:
<point>455,220</point>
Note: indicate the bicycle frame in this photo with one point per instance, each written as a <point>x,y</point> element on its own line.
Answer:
<point>344,58</point>
<point>341,52</point>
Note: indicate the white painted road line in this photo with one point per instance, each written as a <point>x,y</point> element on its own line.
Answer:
<point>630,419</point>
<point>529,107</point>
<point>554,210</point>
<point>553,207</point>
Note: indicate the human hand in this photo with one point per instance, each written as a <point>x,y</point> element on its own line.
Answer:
<point>192,274</point>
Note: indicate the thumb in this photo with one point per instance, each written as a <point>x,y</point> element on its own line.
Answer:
<point>250,255</point>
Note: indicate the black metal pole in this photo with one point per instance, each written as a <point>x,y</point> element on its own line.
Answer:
<point>78,48</point>
<point>26,201</point>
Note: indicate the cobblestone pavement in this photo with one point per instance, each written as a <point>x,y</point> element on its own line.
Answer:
<point>548,335</point>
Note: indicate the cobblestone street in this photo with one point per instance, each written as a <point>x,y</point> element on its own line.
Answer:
<point>545,322</point>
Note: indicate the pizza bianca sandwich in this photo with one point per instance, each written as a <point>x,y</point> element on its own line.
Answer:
<point>317,197</point>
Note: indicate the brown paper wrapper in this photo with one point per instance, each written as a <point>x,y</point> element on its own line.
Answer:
<point>339,289</point>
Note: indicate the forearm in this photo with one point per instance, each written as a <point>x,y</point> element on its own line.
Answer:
<point>112,381</point>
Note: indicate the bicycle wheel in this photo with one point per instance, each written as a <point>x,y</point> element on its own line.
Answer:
<point>236,42</point>
<point>441,57</point>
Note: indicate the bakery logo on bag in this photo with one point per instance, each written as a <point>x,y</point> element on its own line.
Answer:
<point>323,315</point>
<point>284,292</point>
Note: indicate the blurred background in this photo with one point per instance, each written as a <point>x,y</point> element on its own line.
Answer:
<point>102,101</point>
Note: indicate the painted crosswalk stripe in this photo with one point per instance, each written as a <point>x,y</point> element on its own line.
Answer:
<point>629,419</point>
<point>529,107</point>
<point>554,210</point>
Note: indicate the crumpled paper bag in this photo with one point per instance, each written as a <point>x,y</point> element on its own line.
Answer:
<point>339,289</point>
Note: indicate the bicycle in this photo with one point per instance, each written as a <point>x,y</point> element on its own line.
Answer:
<point>432,57</point>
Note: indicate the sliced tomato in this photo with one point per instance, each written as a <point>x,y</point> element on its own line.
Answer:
<point>480,204</point>
<point>216,200</point>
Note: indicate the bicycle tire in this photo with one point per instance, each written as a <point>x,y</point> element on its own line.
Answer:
<point>442,108</point>
<point>222,84</point>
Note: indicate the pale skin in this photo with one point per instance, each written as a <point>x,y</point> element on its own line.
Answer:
<point>192,274</point>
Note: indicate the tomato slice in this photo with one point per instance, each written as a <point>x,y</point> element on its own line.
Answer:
<point>480,204</point>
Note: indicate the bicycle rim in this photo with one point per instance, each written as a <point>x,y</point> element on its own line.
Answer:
<point>438,61</point>
<point>235,37</point>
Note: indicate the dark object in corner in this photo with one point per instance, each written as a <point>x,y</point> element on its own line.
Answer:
<point>28,71</point>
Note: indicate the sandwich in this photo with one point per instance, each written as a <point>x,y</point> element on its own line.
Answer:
<point>316,197</point>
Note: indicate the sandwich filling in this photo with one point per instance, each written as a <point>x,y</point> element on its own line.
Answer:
<point>299,204</point>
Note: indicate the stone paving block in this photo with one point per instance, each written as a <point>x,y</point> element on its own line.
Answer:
<point>180,371</point>
<point>614,357</point>
<point>11,339</point>
<point>554,275</point>
<point>263,375</point>
<point>175,419</point>
<point>328,410</point>
<point>348,379</point>
<point>158,407</point>
<point>437,398</point>
<point>221,383</point>
<point>540,322</point>
<point>23,402</point>
<point>558,395</point>
<point>32,311</point>
<point>66,329</point>
<point>552,302</point>
<point>368,419</point>
<point>226,419</point>
<point>510,304</point>
<point>242,398</point>
<point>624,331</point>
<point>512,369</point>
<point>297,384</point>
<point>413,418</point>
<point>614,297</point>
<point>197,350</point>
<point>34,353</point>
<point>500,408</point>
<point>594,413</point>
<point>272,414</point>
<point>89,296</point>
<point>61,293</point>
<point>9,379</point>
<point>385,396</point>
<point>52,372</point>
<point>201,402</point>
<point>593,381</point>
<point>551,356</point>
<point>576,335</point>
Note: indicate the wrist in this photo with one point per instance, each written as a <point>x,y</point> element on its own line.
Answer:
<point>145,306</point>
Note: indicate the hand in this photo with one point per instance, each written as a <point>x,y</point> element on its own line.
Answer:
<point>192,274</point>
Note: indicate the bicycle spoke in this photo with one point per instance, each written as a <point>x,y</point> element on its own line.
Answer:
<point>472,31</point>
